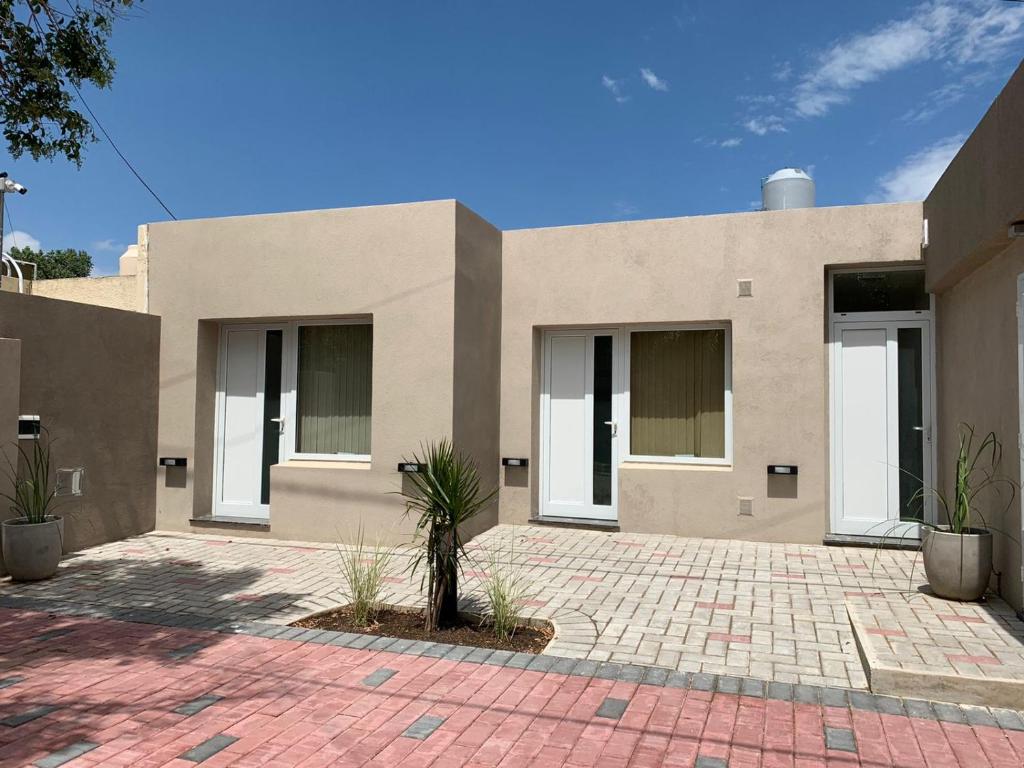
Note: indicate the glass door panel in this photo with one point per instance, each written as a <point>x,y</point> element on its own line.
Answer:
<point>603,424</point>
<point>912,423</point>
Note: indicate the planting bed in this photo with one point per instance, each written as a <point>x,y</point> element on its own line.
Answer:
<point>408,625</point>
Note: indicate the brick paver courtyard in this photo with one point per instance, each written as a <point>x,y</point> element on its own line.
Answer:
<point>82,691</point>
<point>774,612</point>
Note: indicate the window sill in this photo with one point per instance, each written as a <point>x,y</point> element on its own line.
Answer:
<point>676,465</point>
<point>323,464</point>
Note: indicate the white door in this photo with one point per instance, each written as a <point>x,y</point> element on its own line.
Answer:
<point>249,430</point>
<point>882,435</point>
<point>579,410</point>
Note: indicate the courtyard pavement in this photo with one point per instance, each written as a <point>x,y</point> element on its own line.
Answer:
<point>78,689</point>
<point>776,612</point>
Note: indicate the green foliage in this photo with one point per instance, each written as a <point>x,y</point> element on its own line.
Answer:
<point>45,48</point>
<point>506,590</point>
<point>365,569</point>
<point>444,497</point>
<point>977,471</point>
<point>33,493</point>
<point>62,262</point>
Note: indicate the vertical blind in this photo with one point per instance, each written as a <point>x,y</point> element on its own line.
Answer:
<point>334,389</point>
<point>677,393</point>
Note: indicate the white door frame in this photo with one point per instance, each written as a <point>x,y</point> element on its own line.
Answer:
<point>258,510</point>
<point>587,511</point>
<point>908,318</point>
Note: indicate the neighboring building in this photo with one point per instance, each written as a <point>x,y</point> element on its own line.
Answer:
<point>791,375</point>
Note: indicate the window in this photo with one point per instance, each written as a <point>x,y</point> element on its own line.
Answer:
<point>333,390</point>
<point>879,291</point>
<point>680,395</point>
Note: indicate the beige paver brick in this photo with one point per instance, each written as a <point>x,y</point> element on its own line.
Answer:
<point>609,598</point>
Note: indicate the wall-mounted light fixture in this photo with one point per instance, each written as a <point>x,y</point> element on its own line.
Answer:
<point>1017,229</point>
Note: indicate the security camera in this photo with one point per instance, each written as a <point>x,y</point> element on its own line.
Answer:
<point>13,186</point>
<point>1017,229</point>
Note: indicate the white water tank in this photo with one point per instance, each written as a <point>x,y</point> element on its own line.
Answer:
<point>788,188</point>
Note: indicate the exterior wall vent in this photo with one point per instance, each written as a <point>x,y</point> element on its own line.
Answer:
<point>744,287</point>
<point>746,507</point>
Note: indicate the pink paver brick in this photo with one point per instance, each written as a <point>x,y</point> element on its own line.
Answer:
<point>956,617</point>
<point>968,659</point>
<point>295,705</point>
<point>720,606</point>
<point>727,638</point>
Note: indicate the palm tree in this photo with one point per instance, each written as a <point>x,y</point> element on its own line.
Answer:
<point>444,495</point>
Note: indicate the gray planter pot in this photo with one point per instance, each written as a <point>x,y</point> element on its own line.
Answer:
<point>32,550</point>
<point>958,565</point>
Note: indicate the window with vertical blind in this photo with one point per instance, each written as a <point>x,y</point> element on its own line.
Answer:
<point>680,395</point>
<point>333,390</point>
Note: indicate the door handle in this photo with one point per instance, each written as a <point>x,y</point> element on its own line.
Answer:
<point>280,423</point>
<point>927,432</point>
<point>615,427</point>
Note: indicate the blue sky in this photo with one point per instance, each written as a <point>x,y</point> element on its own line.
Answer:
<point>532,113</point>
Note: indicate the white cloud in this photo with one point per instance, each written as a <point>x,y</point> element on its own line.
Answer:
<point>763,125</point>
<point>108,246</point>
<point>19,239</point>
<point>960,33</point>
<point>733,141</point>
<point>653,80</point>
<point>914,178</point>
<point>783,72</point>
<point>624,208</point>
<point>615,88</point>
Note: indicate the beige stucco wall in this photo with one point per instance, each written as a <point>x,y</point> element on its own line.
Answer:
<point>10,404</point>
<point>91,374</point>
<point>397,264</point>
<point>977,384</point>
<point>686,270</point>
<point>981,192</point>
<point>973,266</point>
<point>477,348</point>
<point>116,291</point>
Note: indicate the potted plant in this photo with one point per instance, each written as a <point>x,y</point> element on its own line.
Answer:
<point>33,538</point>
<point>958,555</point>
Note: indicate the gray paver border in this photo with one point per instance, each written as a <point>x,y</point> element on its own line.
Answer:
<point>1007,719</point>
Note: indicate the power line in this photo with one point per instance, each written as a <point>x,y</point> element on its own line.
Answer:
<point>103,130</point>
<point>119,153</point>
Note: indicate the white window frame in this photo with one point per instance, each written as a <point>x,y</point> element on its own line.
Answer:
<point>624,426</point>
<point>289,392</point>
